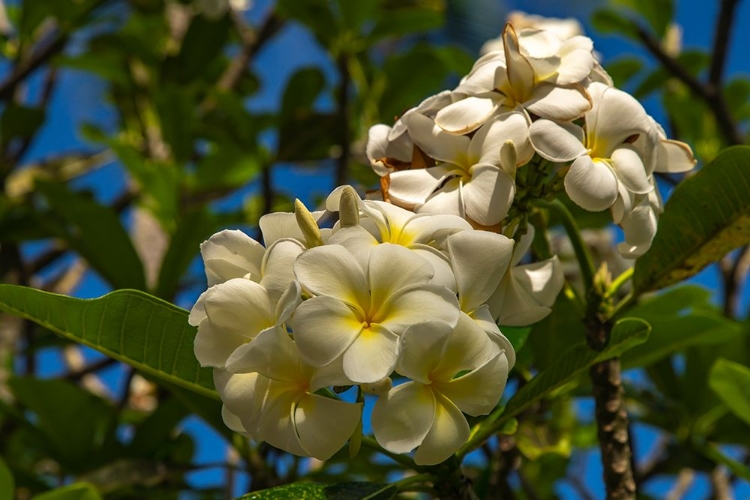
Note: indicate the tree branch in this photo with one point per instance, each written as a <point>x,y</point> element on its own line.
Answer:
<point>25,68</point>
<point>722,34</point>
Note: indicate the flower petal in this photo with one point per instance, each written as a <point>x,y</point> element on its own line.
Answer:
<point>276,425</point>
<point>272,354</point>
<point>630,170</point>
<point>418,304</point>
<point>402,419</point>
<point>214,345</point>
<point>278,265</point>
<point>449,431</point>
<point>412,187</point>
<point>324,328</point>
<point>240,306</point>
<point>488,195</point>
<point>332,271</point>
<point>372,356</point>
<point>313,417</point>
<point>591,185</point>
<point>558,103</point>
<point>434,141</point>
<point>446,200</point>
<point>542,280</point>
<point>467,348</point>
<point>393,267</point>
<point>231,254</point>
<point>558,142</point>
<point>479,260</point>
<point>422,348</point>
<point>674,157</point>
<point>479,391</point>
<point>468,114</point>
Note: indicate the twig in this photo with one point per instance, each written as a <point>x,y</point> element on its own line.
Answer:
<point>722,34</point>
<point>713,96</point>
<point>732,279</point>
<point>25,68</point>
<point>684,480</point>
<point>91,368</point>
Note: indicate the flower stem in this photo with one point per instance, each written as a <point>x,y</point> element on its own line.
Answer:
<point>620,280</point>
<point>579,247</point>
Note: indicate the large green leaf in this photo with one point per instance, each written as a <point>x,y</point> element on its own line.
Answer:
<point>77,491</point>
<point>707,216</point>
<point>95,232</point>
<point>131,326</point>
<point>680,318</point>
<point>73,421</point>
<point>731,382</point>
<point>315,491</point>
<point>626,333</point>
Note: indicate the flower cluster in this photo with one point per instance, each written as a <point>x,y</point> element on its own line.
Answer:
<point>543,91</point>
<point>405,306</point>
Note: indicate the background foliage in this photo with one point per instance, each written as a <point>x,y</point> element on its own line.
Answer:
<point>181,139</point>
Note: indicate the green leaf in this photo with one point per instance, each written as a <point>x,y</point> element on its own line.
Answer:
<point>658,13</point>
<point>77,491</point>
<point>714,453</point>
<point>611,22</point>
<point>178,121</point>
<point>7,486</point>
<point>74,422</point>
<point>694,61</point>
<point>225,166</point>
<point>131,326</point>
<point>562,328</point>
<point>94,231</point>
<point>354,14</point>
<point>19,121</point>
<point>679,318</point>
<point>401,18</point>
<point>626,334</point>
<point>202,45</point>
<point>731,382</point>
<point>314,491</point>
<point>516,335</point>
<point>623,69</point>
<point>315,14</point>
<point>707,216</point>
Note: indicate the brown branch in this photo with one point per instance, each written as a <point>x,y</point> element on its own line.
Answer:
<point>711,95</point>
<point>91,368</point>
<point>722,34</point>
<point>25,68</point>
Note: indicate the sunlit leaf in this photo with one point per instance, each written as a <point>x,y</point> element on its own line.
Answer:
<point>707,216</point>
<point>131,326</point>
<point>731,382</point>
<point>77,491</point>
<point>314,491</point>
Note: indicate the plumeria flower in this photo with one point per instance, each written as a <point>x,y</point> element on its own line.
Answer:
<point>281,406</point>
<point>451,371</point>
<point>386,223</point>
<point>359,315</point>
<point>468,180</point>
<point>233,313</point>
<point>526,292</point>
<point>537,72</point>
<point>617,149</point>
<point>639,223</point>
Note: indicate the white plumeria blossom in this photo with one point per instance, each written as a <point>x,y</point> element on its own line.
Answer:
<point>615,151</point>
<point>526,292</point>
<point>451,371</point>
<point>468,180</point>
<point>359,315</point>
<point>535,71</point>
<point>271,390</point>
<point>233,313</point>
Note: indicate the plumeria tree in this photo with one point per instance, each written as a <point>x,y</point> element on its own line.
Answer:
<point>491,288</point>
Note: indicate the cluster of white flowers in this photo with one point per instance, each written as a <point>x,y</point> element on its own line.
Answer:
<point>543,91</point>
<point>402,297</point>
<point>384,296</point>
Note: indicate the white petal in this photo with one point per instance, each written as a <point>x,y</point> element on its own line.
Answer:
<point>243,395</point>
<point>639,225</point>
<point>467,114</point>
<point>231,254</point>
<point>422,348</point>
<point>577,60</point>
<point>240,306</point>
<point>630,170</point>
<point>511,126</point>
<point>519,72</point>
<point>272,354</point>
<point>615,117</point>
<point>479,391</point>
<point>418,304</point>
<point>592,185</point>
<point>278,225</point>
<point>393,267</point>
<point>558,142</point>
<point>488,195</point>
<point>233,422</point>
<point>674,157</point>
<point>313,420</point>
<point>358,241</point>
<point>402,419</point>
<point>467,348</point>
<point>431,139</point>
<point>513,305</point>
<point>332,271</point>
<point>558,103</point>
<point>542,280</point>
<point>440,264</point>
<point>214,345</point>
<point>278,266</point>
<point>446,200</point>
<point>372,356</point>
<point>479,259</point>
<point>423,229</point>
<point>448,432</point>
<point>412,187</point>
<point>276,424</point>
<point>324,328</point>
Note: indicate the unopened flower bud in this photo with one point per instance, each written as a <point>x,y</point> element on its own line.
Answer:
<point>307,225</point>
<point>349,207</point>
<point>509,158</point>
